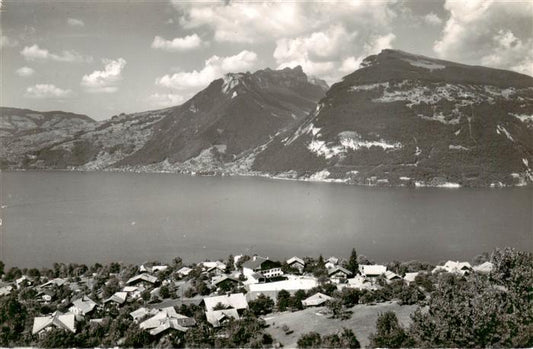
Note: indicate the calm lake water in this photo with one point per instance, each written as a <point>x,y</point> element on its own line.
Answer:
<point>52,217</point>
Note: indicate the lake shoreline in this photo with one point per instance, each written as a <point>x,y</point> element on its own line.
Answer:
<point>416,185</point>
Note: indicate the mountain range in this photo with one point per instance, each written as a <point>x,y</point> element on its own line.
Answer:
<point>401,119</point>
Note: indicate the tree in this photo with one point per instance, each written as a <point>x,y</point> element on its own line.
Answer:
<point>283,300</point>
<point>345,339</point>
<point>352,264</point>
<point>2,266</point>
<point>262,305</point>
<point>13,315</point>
<point>230,264</point>
<point>480,311</point>
<point>164,292</point>
<point>389,333</point>
<point>310,340</point>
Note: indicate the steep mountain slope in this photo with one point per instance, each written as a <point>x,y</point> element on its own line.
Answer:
<point>409,119</point>
<point>23,131</point>
<point>229,118</point>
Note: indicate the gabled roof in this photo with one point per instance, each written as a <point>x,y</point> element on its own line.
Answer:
<point>84,305</point>
<point>410,277</point>
<point>216,317</point>
<point>184,271</point>
<point>143,277</point>
<point>168,324</point>
<point>64,321</point>
<point>254,263</point>
<point>295,260</point>
<point>316,299</point>
<point>235,300</point>
<point>484,268</point>
<point>224,278</point>
<point>161,317</point>
<point>56,281</point>
<point>389,275</point>
<point>118,297</point>
<point>339,269</point>
<point>372,270</point>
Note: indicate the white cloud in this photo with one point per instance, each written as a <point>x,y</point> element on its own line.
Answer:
<point>214,68</point>
<point>166,99</point>
<point>34,53</point>
<point>256,21</point>
<point>510,52</point>
<point>46,91</point>
<point>328,54</point>
<point>25,72</point>
<point>432,19</point>
<point>7,42</point>
<point>490,32</point>
<point>74,22</point>
<point>186,43</point>
<point>104,81</point>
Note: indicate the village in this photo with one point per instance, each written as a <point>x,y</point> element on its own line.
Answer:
<point>238,302</point>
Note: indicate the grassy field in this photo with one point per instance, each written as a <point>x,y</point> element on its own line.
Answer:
<point>362,322</point>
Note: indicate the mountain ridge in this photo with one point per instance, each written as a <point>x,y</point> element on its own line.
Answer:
<point>401,119</point>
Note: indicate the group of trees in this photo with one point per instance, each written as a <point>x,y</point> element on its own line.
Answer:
<point>476,310</point>
<point>344,339</point>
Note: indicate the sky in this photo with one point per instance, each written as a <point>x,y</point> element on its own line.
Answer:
<point>102,58</point>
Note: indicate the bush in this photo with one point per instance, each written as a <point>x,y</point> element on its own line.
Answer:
<point>262,305</point>
<point>389,333</point>
<point>310,340</point>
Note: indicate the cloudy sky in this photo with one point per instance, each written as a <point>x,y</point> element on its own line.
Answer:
<point>102,58</point>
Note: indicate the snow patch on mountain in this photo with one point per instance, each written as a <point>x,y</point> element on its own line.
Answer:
<point>500,129</point>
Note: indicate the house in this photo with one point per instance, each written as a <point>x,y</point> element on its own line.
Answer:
<point>5,290</point>
<point>296,263</point>
<point>134,292</point>
<point>57,319</point>
<point>233,304</point>
<point>164,319</point>
<point>235,300</point>
<point>410,277</point>
<point>484,268</point>
<point>265,266</point>
<point>82,306</point>
<point>218,317</point>
<point>158,268</point>
<point>331,262</point>
<point>316,300</point>
<point>461,268</point>
<point>360,282</point>
<point>339,273</point>
<point>372,270</point>
<point>225,282</point>
<point>142,278</point>
<point>117,298</point>
<point>141,313</point>
<point>255,278</point>
<point>213,267</point>
<point>391,276</point>
<point>184,271</point>
<point>54,282</point>
<point>23,281</point>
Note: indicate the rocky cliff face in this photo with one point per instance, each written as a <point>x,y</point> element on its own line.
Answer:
<point>413,120</point>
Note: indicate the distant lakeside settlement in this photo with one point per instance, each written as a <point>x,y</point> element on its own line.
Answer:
<point>253,301</point>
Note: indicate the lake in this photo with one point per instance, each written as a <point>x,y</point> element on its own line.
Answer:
<point>93,217</point>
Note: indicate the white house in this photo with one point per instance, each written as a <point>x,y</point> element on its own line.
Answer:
<point>265,266</point>
<point>234,304</point>
<point>484,268</point>
<point>372,270</point>
<point>296,263</point>
<point>461,268</point>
